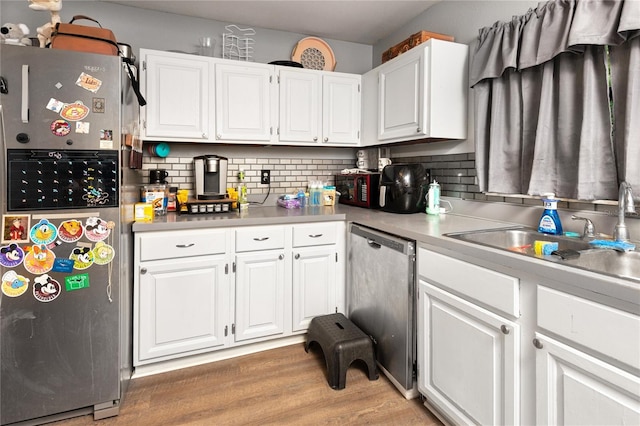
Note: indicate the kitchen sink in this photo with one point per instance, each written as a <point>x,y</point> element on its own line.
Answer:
<point>518,239</point>
<point>579,255</point>
<point>611,262</point>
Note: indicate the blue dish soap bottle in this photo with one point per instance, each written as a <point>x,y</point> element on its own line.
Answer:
<point>550,221</point>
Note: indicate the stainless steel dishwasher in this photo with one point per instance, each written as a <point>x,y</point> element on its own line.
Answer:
<point>381,300</point>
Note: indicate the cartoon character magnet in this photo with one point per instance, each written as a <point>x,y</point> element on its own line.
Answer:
<point>43,232</point>
<point>97,229</point>
<point>14,285</point>
<point>82,257</point>
<point>39,259</point>
<point>103,253</point>
<point>70,231</point>
<point>45,288</point>
<point>11,255</point>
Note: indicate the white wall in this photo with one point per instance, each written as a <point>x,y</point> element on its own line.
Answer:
<point>461,19</point>
<point>164,31</point>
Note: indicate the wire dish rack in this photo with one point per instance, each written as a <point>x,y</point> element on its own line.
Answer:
<point>237,43</point>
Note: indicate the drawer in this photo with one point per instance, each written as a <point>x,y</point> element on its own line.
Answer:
<point>606,330</point>
<point>176,244</point>
<point>492,288</point>
<point>260,238</point>
<point>314,234</point>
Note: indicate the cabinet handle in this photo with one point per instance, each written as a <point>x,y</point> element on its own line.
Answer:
<point>261,239</point>
<point>297,256</point>
<point>143,271</point>
<point>281,257</point>
<point>505,329</point>
<point>204,136</point>
<point>218,136</point>
<point>315,139</point>
<point>537,343</point>
<point>418,130</point>
<point>326,139</point>
<point>315,235</point>
<point>185,245</point>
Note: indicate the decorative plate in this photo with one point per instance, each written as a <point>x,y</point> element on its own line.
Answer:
<point>314,53</point>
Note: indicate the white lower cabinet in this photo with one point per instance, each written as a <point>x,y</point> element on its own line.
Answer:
<point>183,306</point>
<point>468,353</point>
<point>314,284</point>
<point>198,291</point>
<point>260,295</point>
<point>577,382</point>
<point>574,388</point>
<point>469,359</point>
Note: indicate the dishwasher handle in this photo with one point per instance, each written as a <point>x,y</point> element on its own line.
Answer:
<point>373,244</point>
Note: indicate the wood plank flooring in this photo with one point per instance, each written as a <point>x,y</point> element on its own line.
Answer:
<point>277,387</point>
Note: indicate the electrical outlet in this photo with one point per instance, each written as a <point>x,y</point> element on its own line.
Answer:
<point>265,177</point>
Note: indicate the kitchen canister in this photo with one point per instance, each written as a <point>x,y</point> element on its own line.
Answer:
<point>158,149</point>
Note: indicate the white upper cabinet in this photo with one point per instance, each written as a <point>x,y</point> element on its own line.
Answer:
<point>319,107</point>
<point>177,90</point>
<point>341,109</point>
<point>420,94</point>
<point>244,99</point>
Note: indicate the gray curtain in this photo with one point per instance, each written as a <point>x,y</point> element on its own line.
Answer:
<point>542,116</point>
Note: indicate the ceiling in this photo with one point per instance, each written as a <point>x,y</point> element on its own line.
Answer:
<point>358,21</point>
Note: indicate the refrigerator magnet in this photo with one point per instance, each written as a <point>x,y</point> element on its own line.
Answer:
<point>70,231</point>
<point>14,228</point>
<point>45,288</point>
<point>82,257</point>
<point>74,112</point>
<point>96,229</point>
<point>76,282</point>
<point>89,82</point>
<point>14,285</point>
<point>82,127</point>
<point>97,105</point>
<point>39,259</point>
<point>103,253</point>
<point>60,127</point>
<point>61,264</point>
<point>55,105</point>
<point>43,232</point>
<point>11,255</point>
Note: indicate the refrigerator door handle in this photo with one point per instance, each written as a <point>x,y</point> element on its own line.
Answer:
<point>24,111</point>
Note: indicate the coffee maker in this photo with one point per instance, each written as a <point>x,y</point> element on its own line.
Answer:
<point>210,174</point>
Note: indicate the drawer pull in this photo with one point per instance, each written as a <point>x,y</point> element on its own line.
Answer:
<point>504,329</point>
<point>261,239</point>
<point>537,343</point>
<point>297,256</point>
<point>185,245</point>
<point>315,235</point>
<point>143,271</point>
<point>281,257</point>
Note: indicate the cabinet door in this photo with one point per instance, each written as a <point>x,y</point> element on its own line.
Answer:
<point>401,94</point>
<point>341,109</point>
<point>177,92</point>
<point>183,306</point>
<point>574,388</point>
<point>314,284</point>
<point>260,294</point>
<point>468,359</point>
<point>300,106</point>
<point>243,102</point>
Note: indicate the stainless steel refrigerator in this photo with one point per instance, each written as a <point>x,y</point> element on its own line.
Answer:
<point>65,255</point>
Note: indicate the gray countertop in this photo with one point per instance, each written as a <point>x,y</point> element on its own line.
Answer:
<point>429,232</point>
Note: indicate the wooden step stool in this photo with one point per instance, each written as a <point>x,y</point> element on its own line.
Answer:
<point>342,342</point>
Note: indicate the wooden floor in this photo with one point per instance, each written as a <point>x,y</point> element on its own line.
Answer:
<point>275,387</point>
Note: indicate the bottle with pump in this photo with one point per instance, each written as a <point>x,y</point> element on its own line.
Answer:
<point>433,198</point>
<point>243,203</point>
<point>550,221</point>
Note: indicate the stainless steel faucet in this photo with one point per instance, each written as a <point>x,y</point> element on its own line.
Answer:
<point>589,229</point>
<point>625,205</point>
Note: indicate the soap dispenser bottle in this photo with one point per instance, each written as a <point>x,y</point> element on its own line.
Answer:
<point>550,221</point>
